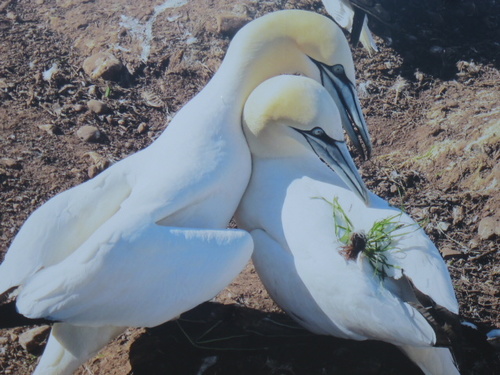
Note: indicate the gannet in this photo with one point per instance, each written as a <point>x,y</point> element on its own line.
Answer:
<point>353,20</point>
<point>145,240</point>
<point>325,282</point>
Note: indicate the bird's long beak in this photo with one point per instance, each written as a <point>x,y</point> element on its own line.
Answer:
<point>336,155</point>
<point>344,94</point>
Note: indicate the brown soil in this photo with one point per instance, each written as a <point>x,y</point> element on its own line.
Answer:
<point>430,97</point>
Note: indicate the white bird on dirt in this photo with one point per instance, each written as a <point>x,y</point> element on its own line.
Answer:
<point>145,240</point>
<point>353,20</point>
<point>310,251</point>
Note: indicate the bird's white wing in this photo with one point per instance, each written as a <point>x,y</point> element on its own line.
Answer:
<point>416,255</point>
<point>341,11</point>
<point>277,269</point>
<point>421,261</point>
<point>141,274</point>
<point>343,14</point>
<point>61,225</point>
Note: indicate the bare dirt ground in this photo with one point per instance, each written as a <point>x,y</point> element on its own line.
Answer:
<point>430,97</point>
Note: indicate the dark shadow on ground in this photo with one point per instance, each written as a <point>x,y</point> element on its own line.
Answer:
<point>228,340</point>
<point>434,35</point>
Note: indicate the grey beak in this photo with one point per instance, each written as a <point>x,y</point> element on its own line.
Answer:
<point>344,94</point>
<point>336,155</point>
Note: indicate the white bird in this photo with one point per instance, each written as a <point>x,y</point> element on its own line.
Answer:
<point>145,240</point>
<point>346,16</point>
<point>300,248</point>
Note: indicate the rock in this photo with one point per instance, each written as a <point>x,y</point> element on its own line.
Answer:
<point>142,128</point>
<point>10,163</point>
<point>88,133</point>
<point>489,227</point>
<point>443,226</point>
<point>100,164</point>
<point>450,253</point>
<point>49,128</point>
<point>103,65</point>
<point>32,340</point>
<point>92,90</point>
<point>229,24</point>
<point>11,16</point>
<point>78,107</point>
<point>97,106</point>
<point>93,171</point>
<point>458,214</point>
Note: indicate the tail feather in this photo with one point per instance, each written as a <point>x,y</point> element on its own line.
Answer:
<point>70,346</point>
<point>432,361</point>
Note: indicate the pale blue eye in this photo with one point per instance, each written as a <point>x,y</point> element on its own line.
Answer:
<point>338,69</point>
<point>318,132</point>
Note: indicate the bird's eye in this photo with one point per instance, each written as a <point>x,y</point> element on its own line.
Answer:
<point>318,132</point>
<point>338,69</point>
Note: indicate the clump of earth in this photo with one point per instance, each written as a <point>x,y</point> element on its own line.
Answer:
<point>84,84</point>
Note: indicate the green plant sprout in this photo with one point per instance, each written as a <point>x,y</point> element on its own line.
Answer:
<point>376,245</point>
<point>107,93</point>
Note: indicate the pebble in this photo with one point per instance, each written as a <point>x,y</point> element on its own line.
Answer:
<point>49,128</point>
<point>142,128</point>
<point>92,90</point>
<point>229,24</point>
<point>450,253</point>
<point>88,133</point>
<point>11,16</point>
<point>10,163</point>
<point>103,65</point>
<point>32,340</point>
<point>443,226</point>
<point>489,227</point>
<point>458,214</point>
<point>93,171</point>
<point>97,106</point>
<point>78,107</point>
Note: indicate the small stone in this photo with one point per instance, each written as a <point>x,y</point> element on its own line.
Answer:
<point>49,128</point>
<point>97,106</point>
<point>103,65</point>
<point>443,226</point>
<point>489,227</point>
<point>458,214</point>
<point>4,340</point>
<point>229,24</point>
<point>88,133</point>
<point>10,163</point>
<point>474,244</point>
<point>142,128</point>
<point>93,171</point>
<point>32,340</point>
<point>78,107</point>
<point>11,16</point>
<point>93,90</point>
<point>450,253</point>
